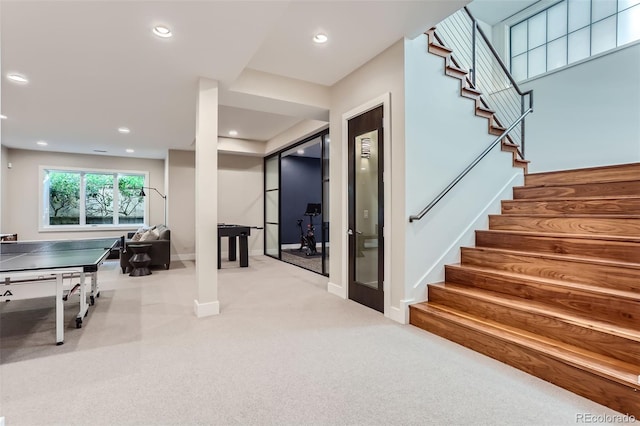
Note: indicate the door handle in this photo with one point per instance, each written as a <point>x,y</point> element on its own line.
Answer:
<point>359,232</point>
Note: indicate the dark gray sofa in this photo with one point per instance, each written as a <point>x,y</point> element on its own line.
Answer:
<point>160,251</point>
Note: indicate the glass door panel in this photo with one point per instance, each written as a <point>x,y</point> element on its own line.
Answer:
<point>366,208</point>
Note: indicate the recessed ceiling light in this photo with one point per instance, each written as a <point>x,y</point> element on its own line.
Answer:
<point>300,151</point>
<point>124,130</point>
<point>233,133</point>
<point>3,117</point>
<point>130,151</point>
<point>320,38</point>
<point>100,150</point>
<point>42,143</point>
<point>17,78</point>
<point>162,31</point>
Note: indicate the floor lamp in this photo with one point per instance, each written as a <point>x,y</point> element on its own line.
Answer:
<point>164,197</point>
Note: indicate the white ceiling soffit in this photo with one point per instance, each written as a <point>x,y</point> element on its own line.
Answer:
<point>94,66</point>
<point>255,125</point>
<point>357,31</point>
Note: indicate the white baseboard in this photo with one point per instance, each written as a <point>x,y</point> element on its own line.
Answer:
<point>224,254</point>
<point>206,309</point>
<point>183,256</point>
<point>401,314</point>
<point>337,290</point>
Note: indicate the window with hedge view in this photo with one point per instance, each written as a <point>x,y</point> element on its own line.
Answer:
<point>85,198</point>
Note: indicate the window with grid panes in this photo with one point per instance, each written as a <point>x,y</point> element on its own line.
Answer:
<point>569,31</point>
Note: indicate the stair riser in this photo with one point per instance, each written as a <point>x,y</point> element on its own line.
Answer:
<point>623,172</point>
<point>612,189</point>
<point>555,328</point>
<point>603,249</point>
<point>611,394</point>
<point>605,276</point>
<point>623,227</point>
<point>602,307</point>
<point>618,206</point>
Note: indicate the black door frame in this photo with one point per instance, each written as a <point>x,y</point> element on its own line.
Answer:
<point>368,121</point>
<point>324,221</point>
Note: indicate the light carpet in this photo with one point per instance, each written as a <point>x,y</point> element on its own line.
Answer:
<point>283,351</point>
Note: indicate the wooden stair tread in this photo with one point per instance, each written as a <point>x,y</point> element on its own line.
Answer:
<point>587,169</point>
<point>618,371</point>
<point>572,199</point>
<point>552,185</point>
<point>573,215</point>
<point>602,237</point>
<point>563,257</point>
<point>543,309</point>
<point>611,173</point>
<point>622,294</point>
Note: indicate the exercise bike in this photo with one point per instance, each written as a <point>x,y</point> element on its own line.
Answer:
<point>308,239</point>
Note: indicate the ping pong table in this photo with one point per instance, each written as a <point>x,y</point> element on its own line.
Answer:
<point>28,268</point>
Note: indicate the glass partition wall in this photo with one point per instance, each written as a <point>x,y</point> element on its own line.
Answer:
<point>297,204</point>
<point>271,206</point>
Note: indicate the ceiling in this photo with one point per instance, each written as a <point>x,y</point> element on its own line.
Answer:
<point>494,11</point>
<point>94,66</point>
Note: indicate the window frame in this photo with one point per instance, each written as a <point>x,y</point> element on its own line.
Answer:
<point>43,207</point>
<point>502,30</point>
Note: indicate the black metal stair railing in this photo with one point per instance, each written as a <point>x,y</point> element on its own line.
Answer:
<point>474,52</point>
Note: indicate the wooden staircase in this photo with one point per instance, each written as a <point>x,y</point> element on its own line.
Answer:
<point>467,90</point>
<point>553,287</point>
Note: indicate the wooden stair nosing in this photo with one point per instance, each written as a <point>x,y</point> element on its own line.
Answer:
<point>605,237</point>
<point>545,282</point>
<point>536,317</point>
<point>524,164</point>
<point>622,188</point>
<point>544,308</point>
<point>562,257</point>
<point>611,173</point>
<point>606,274</point>
<point>624,249</point>
<point>592,198</point>
<point>617,371</point>
<point>496,130</point>
<point>438,50</point>
<point>568,223</point>
<point>613,206</point>
<point>575,215</point>
<point>617,308</point>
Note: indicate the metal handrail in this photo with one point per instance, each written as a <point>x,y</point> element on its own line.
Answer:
<point>468,169</point>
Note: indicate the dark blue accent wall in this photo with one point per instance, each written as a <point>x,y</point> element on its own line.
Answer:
<point>301,183</point>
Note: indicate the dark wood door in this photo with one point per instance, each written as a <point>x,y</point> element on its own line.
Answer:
<point>366,209</point>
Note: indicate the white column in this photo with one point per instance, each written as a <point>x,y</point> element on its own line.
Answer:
<point>207,199</point>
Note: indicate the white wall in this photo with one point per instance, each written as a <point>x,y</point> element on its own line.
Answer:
<point>240,199</point>
<point>443,136</point>
<point>182,203</point>
<point>586,115</point>
<point>383,74</point>
<point>241,196</point>
<point>4,155</point>
<point>20,192</point>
